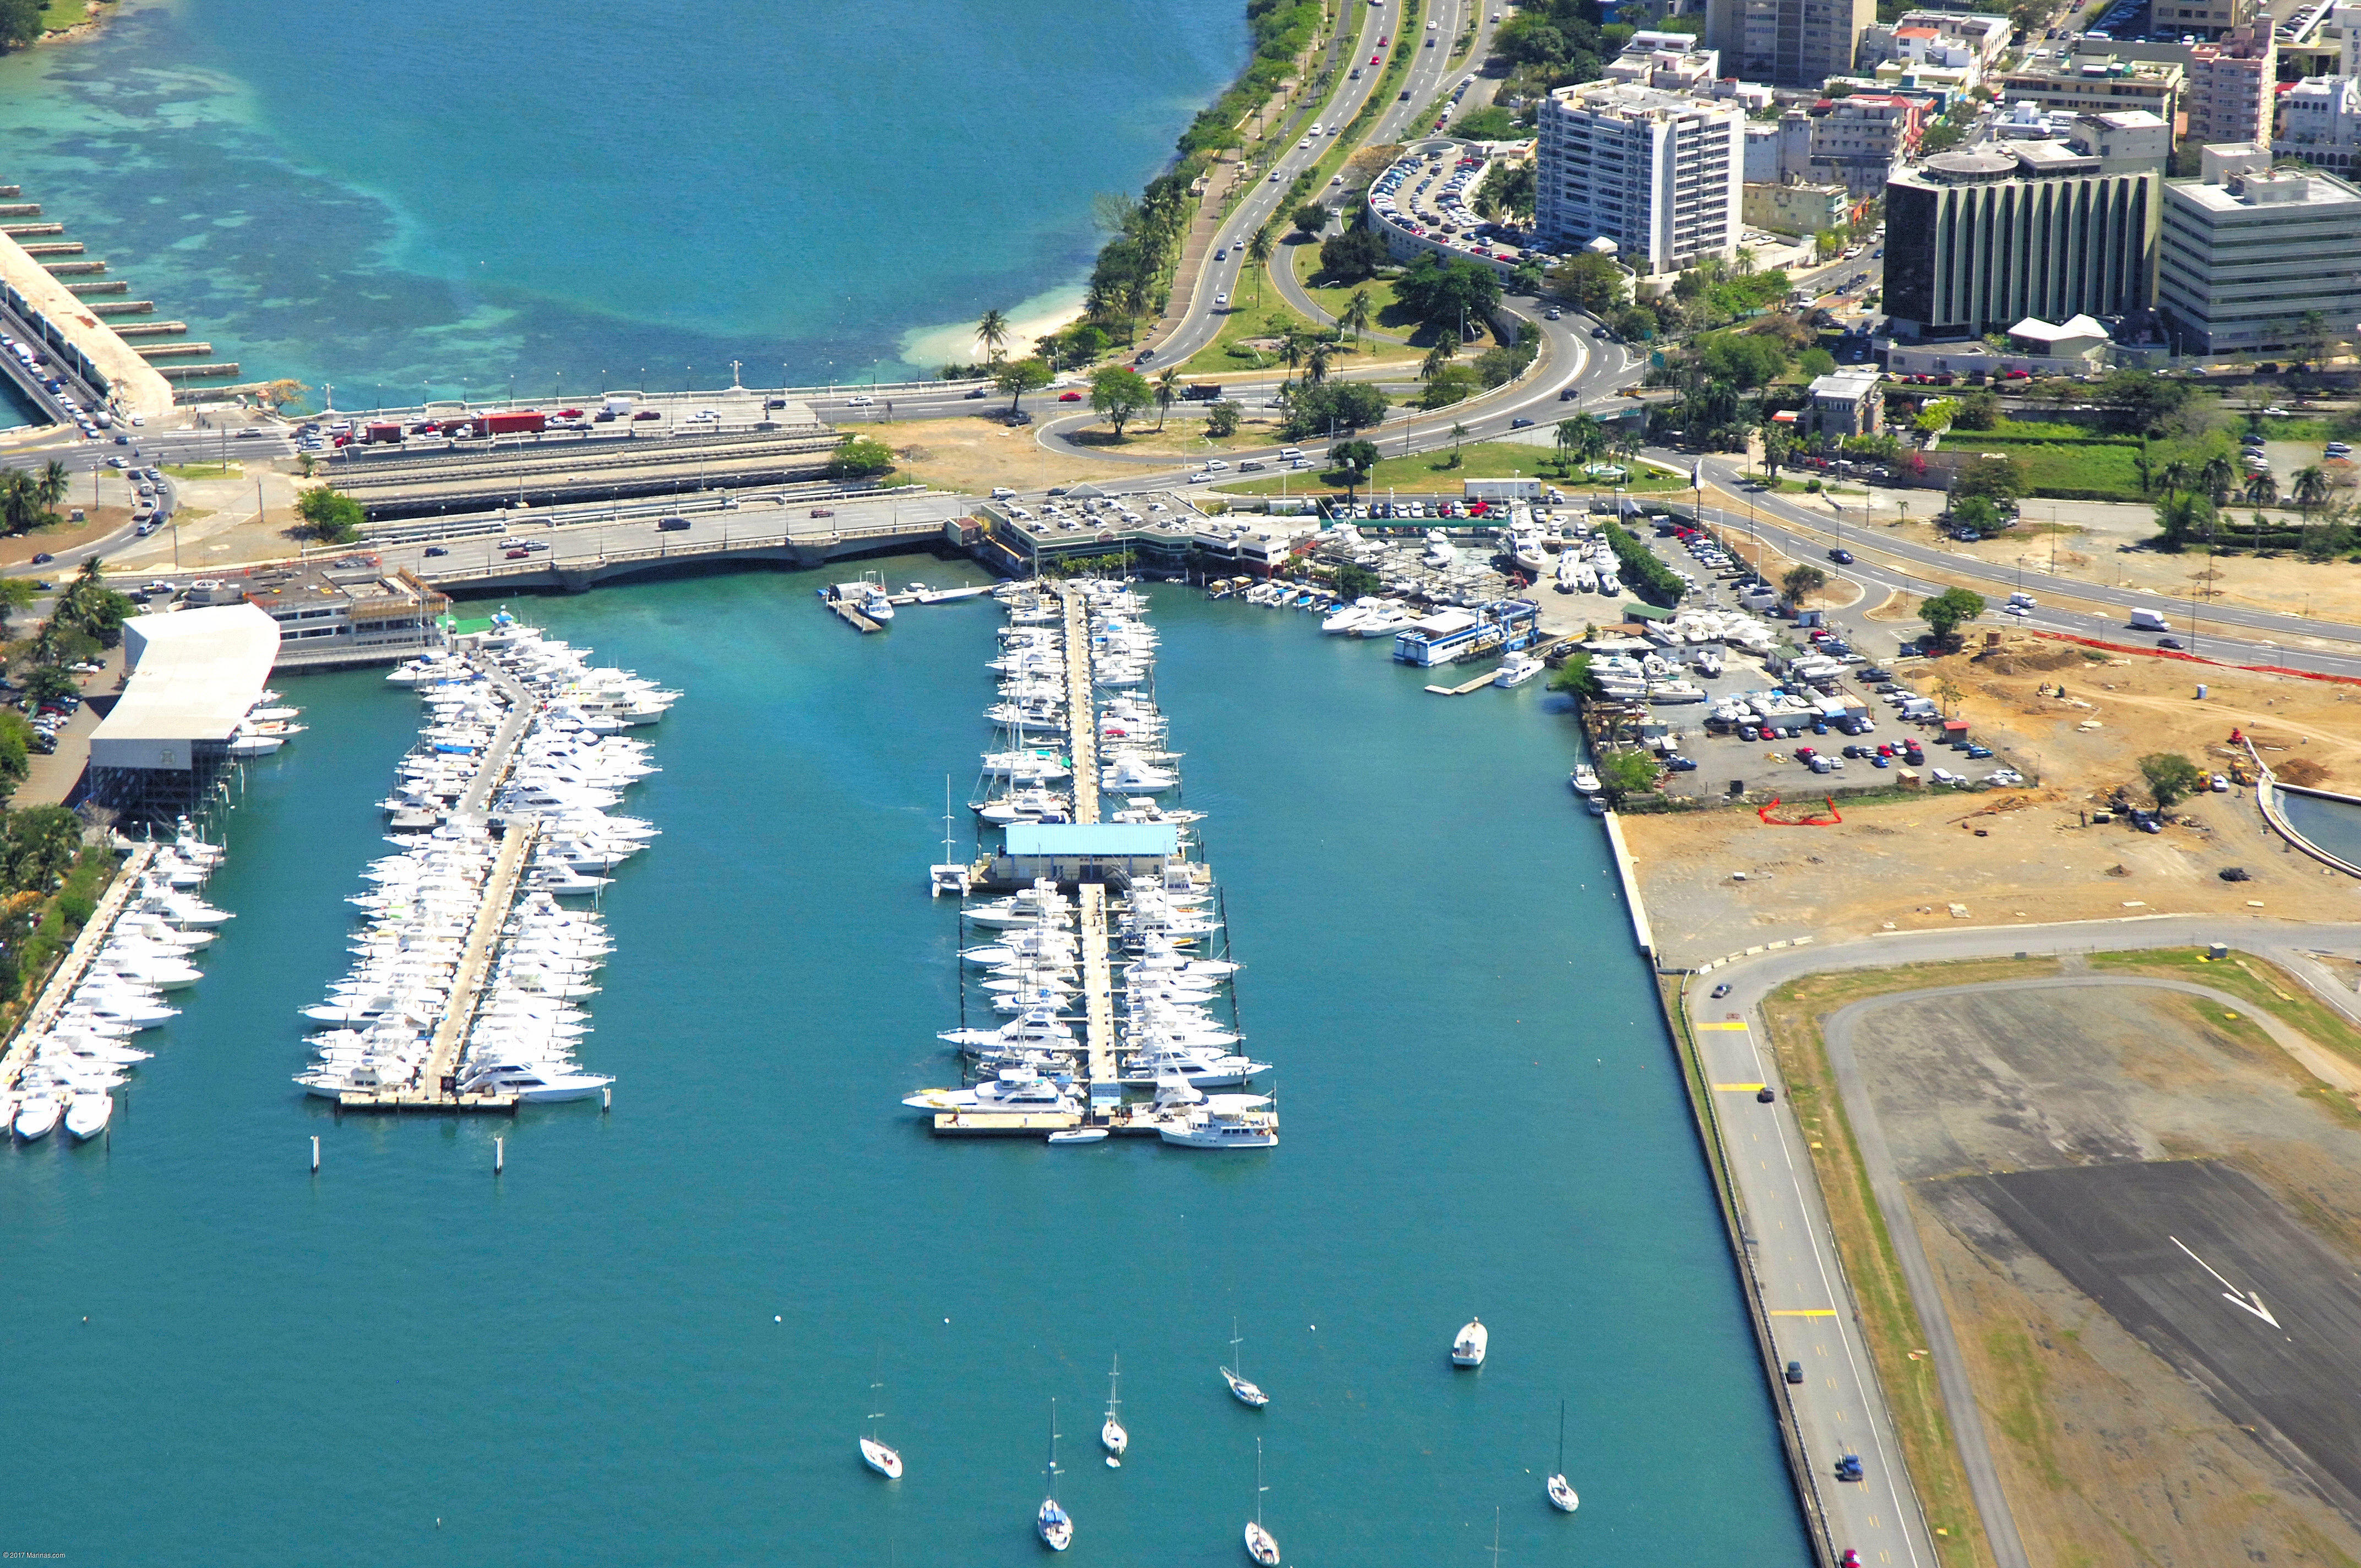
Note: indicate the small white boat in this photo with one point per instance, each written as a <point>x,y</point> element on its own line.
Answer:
<point>1112,1436</point>
<point>1244,1392</point>
<point>1079,1135</point>
<point>1521,668</point>
<point>1585,779</point>
<point>87,1114</point>
<point>1561,1490</point>
<point>1468,1349</point>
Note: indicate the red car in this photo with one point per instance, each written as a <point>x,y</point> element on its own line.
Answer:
<point>1070,397</point>
<point>1383,40</point>
<point>519,554</point>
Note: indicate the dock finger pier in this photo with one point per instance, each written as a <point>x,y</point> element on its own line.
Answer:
<point>1097,996</point>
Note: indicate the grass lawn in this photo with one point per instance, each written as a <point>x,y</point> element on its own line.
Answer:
<point>1390,317</point>
<point>2100,468</point>
<point>204,470</point>
<point>59,13</point>
<point>1426,471</point>
<point>1246,320</point>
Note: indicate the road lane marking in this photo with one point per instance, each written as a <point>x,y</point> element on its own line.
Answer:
<point>2245,1300</point>
<point>1804,1312</point>
<point>1738,1088</point>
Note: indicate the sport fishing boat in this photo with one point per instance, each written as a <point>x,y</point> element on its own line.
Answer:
<point>1468,1349</point>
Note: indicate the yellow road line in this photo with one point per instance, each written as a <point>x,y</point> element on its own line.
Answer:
<point>1735,1025</point>
<point>1748,1088</point>
<point>1803,1311</point>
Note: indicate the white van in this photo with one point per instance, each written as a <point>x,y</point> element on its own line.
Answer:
<point>2148,620</point>
<point>1289,453</point>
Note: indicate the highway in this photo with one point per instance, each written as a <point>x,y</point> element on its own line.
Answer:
<point>1883,563</point>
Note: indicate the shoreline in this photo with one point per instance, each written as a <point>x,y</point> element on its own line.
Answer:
<point>94,19</point>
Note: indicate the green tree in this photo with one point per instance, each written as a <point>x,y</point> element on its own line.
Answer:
<point>1258,255</point>
<point>1436,359</point>
<point>1948,611</point>
<point>52,483</point>
<point>1816,362</point>
<point>2139,400</point>
<point>1119,392</point>
<point>2002,478</point>
<point>1451,384</point>
<point>2261,489</point>
<point>1590,283</point>
<point>330,516</point>
<point>21,510</point>
<point>21,22</point>
<point>39,843</point>
<point>48,683</point>
<point>1167,391</point>
<point>859,457</point>
<point>1222,418</point>
<point>1627,772</point>
<point>1356,461</point>
<point>2183,515</point>
<point>1802,582</point>
<point>2170,777</point>
<point>1343,406</point>
<point>1635,324</point>
<point>1353,257</point>
<point>2216,477</point>
<point>1980,410</point>
<point>1359,311</point>
<point>1979,515</point>
<point>993,332</point>
<point>1778,446</point>
<point>2310,487</point>
<point>1309,218</point>
<point>1445,295</point>
<point>1574,678</point>
<point>1018,376</point>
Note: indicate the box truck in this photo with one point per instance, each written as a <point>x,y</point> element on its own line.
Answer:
<point>2148,620</point>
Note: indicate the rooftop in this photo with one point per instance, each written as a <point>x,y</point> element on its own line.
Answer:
<point>194,674</point>
<point>2264,190</point>
<point>1115,839</point>
<point>1851,385</point>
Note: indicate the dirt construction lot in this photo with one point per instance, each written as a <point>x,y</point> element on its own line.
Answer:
<point>2087,1163</point>
<point>1717,883</point>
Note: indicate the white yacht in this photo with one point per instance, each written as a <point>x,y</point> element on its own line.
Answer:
<point>1519,668</point>
<point>1585,779</point>
<point>36,1116</point>
<point>1014,1089</point>
<point>87,1114</point>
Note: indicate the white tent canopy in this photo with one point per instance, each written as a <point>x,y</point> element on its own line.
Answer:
<point>194,674</point>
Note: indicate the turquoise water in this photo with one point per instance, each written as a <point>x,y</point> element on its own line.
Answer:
<point>579,1362</point>
<point>448,197</point>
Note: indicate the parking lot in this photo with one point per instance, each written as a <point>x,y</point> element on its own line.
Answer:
<point>1813,712</point>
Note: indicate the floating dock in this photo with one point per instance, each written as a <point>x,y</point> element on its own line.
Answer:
<point>1081,713</point>
<point>76,964</point>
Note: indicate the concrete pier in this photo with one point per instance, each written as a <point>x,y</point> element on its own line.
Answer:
<point>39,292</point>
<point>1081,717</point>
<point>1098,992</point>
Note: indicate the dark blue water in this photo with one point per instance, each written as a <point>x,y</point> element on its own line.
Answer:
<point>452,197</point>
<point>652,1339</point>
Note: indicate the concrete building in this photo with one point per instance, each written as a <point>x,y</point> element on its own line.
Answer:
<point>2320,123</point>
<point>1844,404</point>
<point>1658,173</point>
<point>344,611</point>
<point>1969,44</point>
<point>2093,77</point>
<point>2247,253</point>
<point>2125,142</point>
<point>1779,150</point>
<point>2232,86</point>
<point>195,676</point>
<point>1670,62</point>
<point>1796,209</point>
<point>1979,239</point>
<point>1789,43</point>
<point>1857,141</point>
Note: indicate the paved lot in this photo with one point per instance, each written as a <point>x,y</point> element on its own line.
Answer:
<point>2169,1249</point>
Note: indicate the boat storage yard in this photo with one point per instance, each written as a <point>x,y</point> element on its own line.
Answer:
<point>468,970</point>
<point>1090,1004</point>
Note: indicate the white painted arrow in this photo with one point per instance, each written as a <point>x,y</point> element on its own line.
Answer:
<point>2245,1300</point>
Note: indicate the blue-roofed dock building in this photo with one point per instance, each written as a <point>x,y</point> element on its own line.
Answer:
<point>1074,852</point>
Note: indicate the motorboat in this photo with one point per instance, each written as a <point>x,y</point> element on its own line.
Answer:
<point>1014,1090</point>
<point>1519,668</point>
<point>87,1114</point>
<point>37,1116</point>
<point>1217,1126</point>
<point>1467,1350</point>
<point>1585,779</point>
<point>534,1084</point>
<point>1079,1135</point>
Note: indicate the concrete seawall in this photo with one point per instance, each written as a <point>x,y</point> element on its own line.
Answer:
<point>135,384</point>
<point>2266,794</point>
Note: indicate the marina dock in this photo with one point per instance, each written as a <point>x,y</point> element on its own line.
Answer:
<point>1082,715</point>
<point>1098,997</point>
<point>436,1089</point>
<point>75,965</point>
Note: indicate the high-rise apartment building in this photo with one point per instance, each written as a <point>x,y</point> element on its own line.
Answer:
<point>2249,253</point>
<point>2231,86</point>
<point>1659,173</point>
<point>1977,240</point>
<point>1789,43</point>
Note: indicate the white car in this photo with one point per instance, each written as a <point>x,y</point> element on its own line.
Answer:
<point>2220,784</point>
<point>862,401</point>
<point>1221,300</point>
<point>2005,776</point>
<point>2016,609</point>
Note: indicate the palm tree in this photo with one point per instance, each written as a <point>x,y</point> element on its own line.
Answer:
<point>1168,389</point>
<point>1315,362</point>
<point>1436,359</point>
<point>2217,476</point>
<point>2311,489</point>
<point>1358,312</point>
<point>2177,475</point>
<point>1291,349</point>
<point>2262,490</point>
<point>993,332</point>
<point>53,482</point>
<point>1259,256</point>
<point>1459,434</point>
<point>20,501</point>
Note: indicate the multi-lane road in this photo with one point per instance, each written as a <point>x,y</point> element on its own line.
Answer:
<point>1883,563</point>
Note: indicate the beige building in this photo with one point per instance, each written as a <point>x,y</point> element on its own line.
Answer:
<point>2205,18</point>
<point>1844,404</point>
<point>2233,84</point>
<point>1789,43</point>
<point>1796,209</point>
<point>2086,78</point>
<point>1659,173</point>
